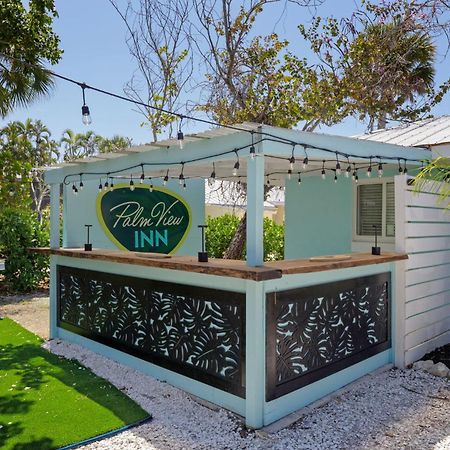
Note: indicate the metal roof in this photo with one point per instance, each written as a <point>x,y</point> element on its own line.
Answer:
<point>424,133</point>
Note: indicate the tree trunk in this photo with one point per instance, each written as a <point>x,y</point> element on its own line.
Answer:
<point>237,244</point>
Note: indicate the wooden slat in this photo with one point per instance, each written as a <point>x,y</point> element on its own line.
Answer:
<point>426,215</point>
<point>428,259</point>
<point>417,352</point>
<point>427,303</point>
<point>414,245</point>
<point>425,274</point>
<point>425,334</point>
<point>426,200</point>
<point>426,319</point>
<point>427,229</point>
<point>426,289</point>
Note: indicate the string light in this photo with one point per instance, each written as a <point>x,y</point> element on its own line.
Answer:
<point>100,187</point>
<point>349,169</point>
<point>85,113</point>
<point>369,169</point>
<point>354,172</point>
<point>166,178</point>
<point>268,181</point>
<point>142,174</point>
<point>181,176</point>
<point>299,181</point>
<point>289,174</point>
<point>305,159</point>
<point>180,135</point>
<point>380,169</point>
<point>335,178</point>
<point>184,185</point>
<point>252,147</point>
<point>111,186</point>
<point>405,170</point>
<point>131,183</point>
<point>212,177</point>
<point>150,188</point>
<point>81,182</point>
<point>400,170</point>
<point>338,165</point>
<point>323,170</point>
<point>292,159</point>
<point>236,164</point>
<point>106,185</point>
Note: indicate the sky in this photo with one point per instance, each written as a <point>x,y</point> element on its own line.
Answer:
<point>93,39</point>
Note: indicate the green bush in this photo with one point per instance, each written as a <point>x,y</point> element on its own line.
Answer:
<point>20,230</point>
<point>221,230</point>
<point>219,233</point>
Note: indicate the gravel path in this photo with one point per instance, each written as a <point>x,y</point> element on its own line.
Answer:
<point>398,409</point>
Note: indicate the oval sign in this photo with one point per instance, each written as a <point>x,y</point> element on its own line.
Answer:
<point>144,221</point>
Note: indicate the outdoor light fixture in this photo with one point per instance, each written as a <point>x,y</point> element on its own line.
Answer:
<point>150,188</point>
<point>349,169</point>
<point>180,135</point>
<point>131,183</point>
<point>106,185</point>
<point>100,186</point>
<point>405,170</point>
<point>299,179</point>
<point>236,165</point>
<point>85,113</point>
<point>88,245</point>
<point>323,170</point>
<point>184,185</point>
<point>81,183</point>
<point>203,255</point>
<point>111,186</point>
<point>356,176</point>
<point>268,181</point>
<point>142,174</point>
<point>289,174</point>
<point>376,250</point>
<point>166,178</point>
<point>400,170</point>
<point>335,178</point>
<point>252,152</point>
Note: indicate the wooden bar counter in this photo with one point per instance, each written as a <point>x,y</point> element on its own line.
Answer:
<point>225,267</point>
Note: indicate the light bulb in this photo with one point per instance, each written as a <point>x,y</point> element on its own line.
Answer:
<point>180,138</point>
<point>369,171</point>
<point>86,115</point>
<point>305,163</point>
<point>335,178</point>
<point>289,174</point>
<point>252,152</point>
<point>150,187</point>
<point>380,170</point>
<point>338,168</point>
<point>81,185</point>
<point>323,174</point>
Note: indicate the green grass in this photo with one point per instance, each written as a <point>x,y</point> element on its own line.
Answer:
<point>47,402</point>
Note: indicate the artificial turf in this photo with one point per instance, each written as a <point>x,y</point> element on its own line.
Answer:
<point>47,402</point>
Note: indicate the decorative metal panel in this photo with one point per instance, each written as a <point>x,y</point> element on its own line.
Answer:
<point>315,331</point>
<point>195,331</point>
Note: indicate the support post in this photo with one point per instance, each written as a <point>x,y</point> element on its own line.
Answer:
<point>55,236</point>
<point>255,353</point>
<point>255,211</point>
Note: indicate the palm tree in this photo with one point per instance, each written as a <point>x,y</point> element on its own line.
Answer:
<point>72,145</point>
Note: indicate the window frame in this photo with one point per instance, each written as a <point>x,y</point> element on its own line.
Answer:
<point>363,238</point>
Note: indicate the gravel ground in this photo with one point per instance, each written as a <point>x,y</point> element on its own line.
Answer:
<point>30,310</point>
<point>397,409</point>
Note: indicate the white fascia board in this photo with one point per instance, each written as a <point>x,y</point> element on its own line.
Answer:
<point>348,145</point>
<point>162,158</point>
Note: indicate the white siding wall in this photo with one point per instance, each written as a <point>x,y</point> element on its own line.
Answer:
<point>423,231</point>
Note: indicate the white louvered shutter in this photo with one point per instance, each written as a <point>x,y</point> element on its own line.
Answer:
<point>370,209</point>
<point>390,210</point>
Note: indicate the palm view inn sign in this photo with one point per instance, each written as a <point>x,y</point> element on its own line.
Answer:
<point>141,220</point>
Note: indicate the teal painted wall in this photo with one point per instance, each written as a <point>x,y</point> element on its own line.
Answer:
<point>318,217</point>
<point>81,209</point>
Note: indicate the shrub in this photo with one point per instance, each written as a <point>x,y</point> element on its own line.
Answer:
<point>221,230</point>
<point>19,230</point>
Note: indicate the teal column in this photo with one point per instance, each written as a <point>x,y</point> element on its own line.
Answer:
<point>54,215</point>
<point>255,210</point>
<point>55,207</point>
<point>255,351</point>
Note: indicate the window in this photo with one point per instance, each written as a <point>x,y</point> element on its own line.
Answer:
<point>375,207</point>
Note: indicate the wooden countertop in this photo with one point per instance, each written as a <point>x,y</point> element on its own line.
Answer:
<point>225,267</point>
